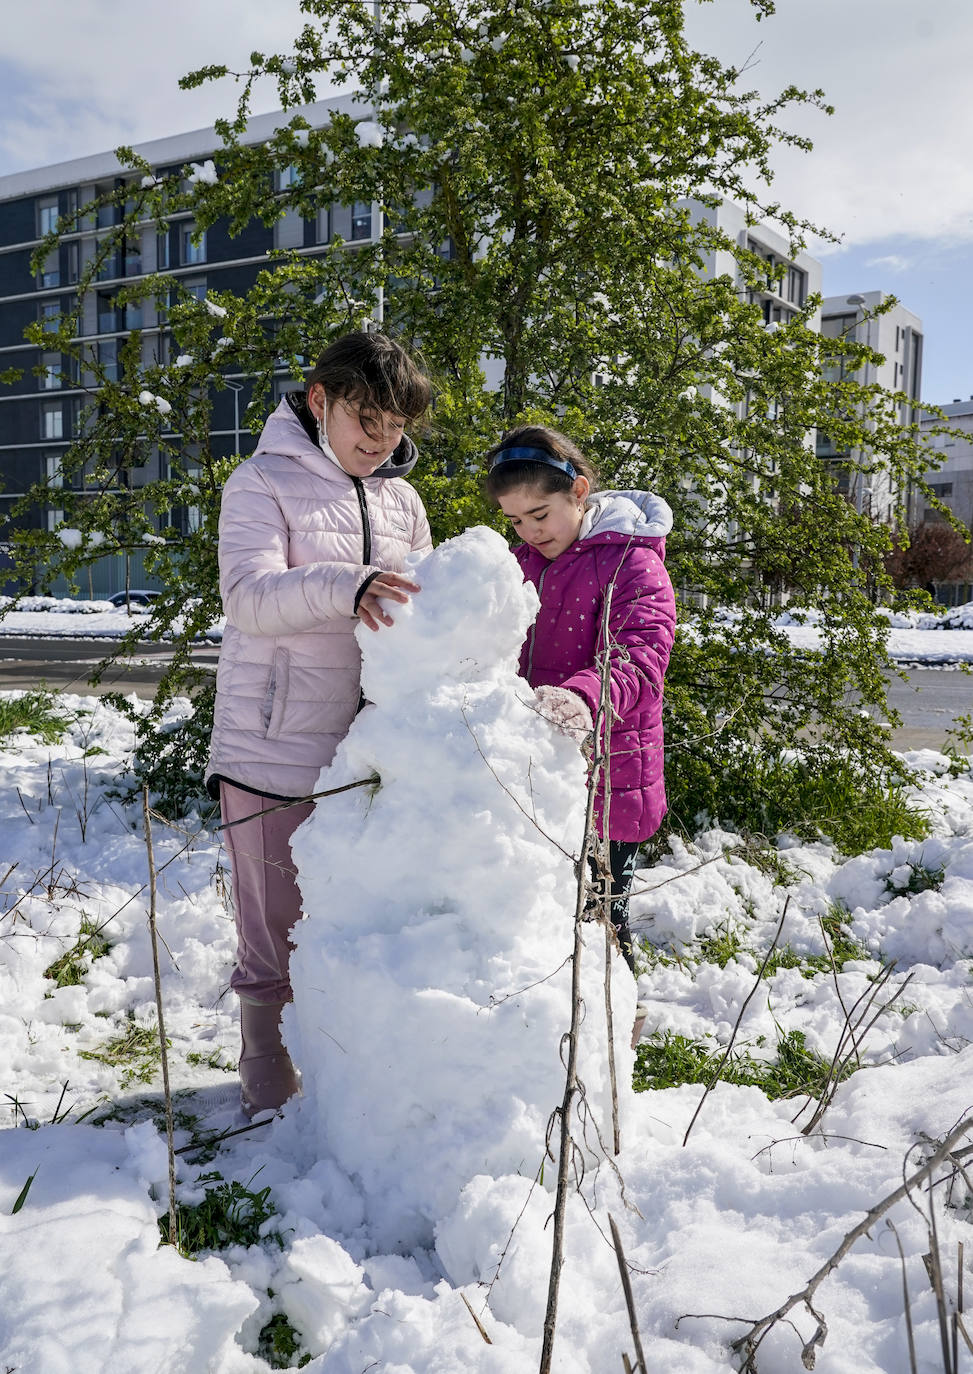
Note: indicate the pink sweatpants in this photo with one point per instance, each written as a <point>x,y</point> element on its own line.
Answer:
<point>266,898</point>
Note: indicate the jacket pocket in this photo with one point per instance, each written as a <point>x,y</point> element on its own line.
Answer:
<point>275,700</point>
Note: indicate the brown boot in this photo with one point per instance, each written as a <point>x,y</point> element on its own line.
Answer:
<point>267,1076</point>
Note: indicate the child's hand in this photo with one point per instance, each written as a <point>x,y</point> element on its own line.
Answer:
<point>565,709</point>
<point>391,586</point>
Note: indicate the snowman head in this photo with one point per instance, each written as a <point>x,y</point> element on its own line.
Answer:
<point>466,624</point>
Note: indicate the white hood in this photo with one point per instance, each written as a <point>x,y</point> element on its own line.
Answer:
<point>626,512</point>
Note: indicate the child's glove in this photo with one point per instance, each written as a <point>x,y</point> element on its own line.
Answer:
<point>566,710</point>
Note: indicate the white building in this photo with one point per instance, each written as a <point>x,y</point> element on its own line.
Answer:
<point>785,292</point>
<point>953,482</point>
<point>898,336</point>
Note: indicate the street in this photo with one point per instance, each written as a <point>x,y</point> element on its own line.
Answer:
<point>929,701</point>
<point>65,665</point>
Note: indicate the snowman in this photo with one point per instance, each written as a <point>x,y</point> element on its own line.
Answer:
<point>432,970</point>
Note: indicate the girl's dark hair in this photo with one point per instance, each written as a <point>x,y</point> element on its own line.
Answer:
<point>375,373</point>
<point>506,476</point>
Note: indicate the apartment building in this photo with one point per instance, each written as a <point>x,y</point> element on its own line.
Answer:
<point>39,415</point>
<point>897,335</point>
<point>791,279</point>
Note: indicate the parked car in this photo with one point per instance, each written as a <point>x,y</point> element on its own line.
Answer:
<point>138,596</point>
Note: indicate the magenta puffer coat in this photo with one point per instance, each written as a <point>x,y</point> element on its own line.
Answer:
<point>621,547</point>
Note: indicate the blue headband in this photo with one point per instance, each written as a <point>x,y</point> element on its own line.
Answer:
<point>533,455</point>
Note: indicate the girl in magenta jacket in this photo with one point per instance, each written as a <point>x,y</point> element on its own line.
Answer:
<point>315,527</point>
<point>581,547</point>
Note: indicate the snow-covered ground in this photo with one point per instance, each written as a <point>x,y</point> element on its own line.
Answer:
<point>453,979</point>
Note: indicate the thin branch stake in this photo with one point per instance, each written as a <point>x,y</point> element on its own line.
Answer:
<point>627,1290</point>
<point>147,818</point>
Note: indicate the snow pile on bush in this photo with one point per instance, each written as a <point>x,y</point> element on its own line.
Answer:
<point>958,618</point>
<point>62,605</point>
<point>431,973</point>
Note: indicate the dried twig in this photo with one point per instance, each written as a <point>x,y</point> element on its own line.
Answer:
<point>147,818</point>
<point>736,1026</point>
<point>479,1324</point>
<point>629,1300</point>
<point>299,801</point>
<point>852,1030</point>
<point>749,1343</point>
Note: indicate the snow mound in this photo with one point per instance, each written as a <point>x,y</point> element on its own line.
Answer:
<point>432,977</point>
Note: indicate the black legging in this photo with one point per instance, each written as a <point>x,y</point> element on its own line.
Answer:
<point>622,855</point>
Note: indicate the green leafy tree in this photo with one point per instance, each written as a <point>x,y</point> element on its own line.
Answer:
<point>536,165</point>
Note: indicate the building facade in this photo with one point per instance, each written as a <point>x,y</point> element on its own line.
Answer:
<point>897,335</point>
<point>40,414</point>
<point>952,484</point>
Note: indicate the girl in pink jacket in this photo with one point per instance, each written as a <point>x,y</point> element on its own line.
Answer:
<point>314,530</point>
<point>582,547</point>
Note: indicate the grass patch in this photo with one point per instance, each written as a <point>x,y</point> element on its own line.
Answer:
<point>278,1344</point>
<point>213,1060</point>
<point>231,1213</point>
<point>720,947</point>
<point>36,713</point>
<point>69,970</point>
<point>921,879</point>
<point>665,1060</point>
<point>135,1052</point>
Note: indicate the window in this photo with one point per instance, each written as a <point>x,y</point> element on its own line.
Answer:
<point>287,177</point>
<point>941,488</point>
<point>324,224</point>
<point>108,359</point>
<point>109,268</point>
<point>52,470</point>
<point>795,286</point>
<point>72,255</point>
<point>196,289</point>
<point>49,315</point>
<point>107,319</point>
<point>50,273</point>
<point>51,377</point>
<point>191,251</point>
<point>52,420</point>
<point>132,259</point>
<point>133,315</point>
<point>162,251</point>
<point>361,220</point>
<point>47,216</point>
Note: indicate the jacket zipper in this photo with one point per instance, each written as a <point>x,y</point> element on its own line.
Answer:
<point>533,628</point>
<point>365,523</point>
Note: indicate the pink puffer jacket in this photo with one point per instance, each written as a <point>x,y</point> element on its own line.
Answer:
<point>299,538</point>
<point>622,546</point>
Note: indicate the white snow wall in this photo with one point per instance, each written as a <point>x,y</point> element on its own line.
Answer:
<point>432,971</point>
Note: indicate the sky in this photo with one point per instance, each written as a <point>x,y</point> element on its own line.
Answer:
<point>890,171</point>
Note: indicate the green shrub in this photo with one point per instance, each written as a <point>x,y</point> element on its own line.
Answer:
<point>170,756</point>
<point>279,1343</point>
<point>818,795</point>
<point>231,1213</point>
